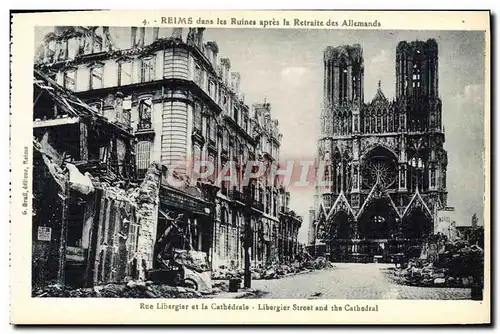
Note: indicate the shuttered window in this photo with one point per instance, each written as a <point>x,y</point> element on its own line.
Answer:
<point>143,158</point>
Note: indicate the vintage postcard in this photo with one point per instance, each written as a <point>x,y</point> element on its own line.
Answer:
<point>251,167</point>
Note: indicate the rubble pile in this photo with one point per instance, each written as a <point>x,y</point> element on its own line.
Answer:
<point>274,271</point>
<point>129,290</point>
<point>224,273</point>
<point>458,265</point>
<point>219,286</point>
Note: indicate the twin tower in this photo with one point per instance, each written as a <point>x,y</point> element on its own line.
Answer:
<point>416,72</point>
<point>383,161</point>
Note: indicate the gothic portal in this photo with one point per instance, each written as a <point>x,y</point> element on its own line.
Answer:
<point>382,162</point>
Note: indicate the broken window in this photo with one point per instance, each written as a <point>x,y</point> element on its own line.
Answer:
<point>70,79</point>
<point>144,115</point>
<point>103,154</point>
<point>147,70</point>
<point>124,73</point>
<point>51,50</point>
<point>73,46</point>
<point>96,77</point>
<point>63,49</point>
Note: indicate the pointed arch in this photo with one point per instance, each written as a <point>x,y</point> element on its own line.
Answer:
<point>378,219</point>
<point>341,205</point>
<point>339,226</point>
<point>379,146</point>
<point>417,219</point>
<point>417,202</point>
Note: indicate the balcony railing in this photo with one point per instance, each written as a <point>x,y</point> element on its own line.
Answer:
<point>144,125</point>
<point>257,205</point>
<point>238,196</point>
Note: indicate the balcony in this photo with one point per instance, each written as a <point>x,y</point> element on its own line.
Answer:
<point>257,205</point>
<point>238,196</point>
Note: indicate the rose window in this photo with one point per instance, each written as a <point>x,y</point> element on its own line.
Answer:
<point>381,169</point>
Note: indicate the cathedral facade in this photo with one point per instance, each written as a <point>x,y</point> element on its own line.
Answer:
<point>382,162</point>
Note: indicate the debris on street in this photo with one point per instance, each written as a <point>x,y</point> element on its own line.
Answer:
<point>457,264</point>
<point>130,290</point>
<point>303,263</point>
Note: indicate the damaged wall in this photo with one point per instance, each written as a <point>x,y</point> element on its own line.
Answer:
<point>47,218</point>
<point>147,198</point>
<point>127,230</point>
<point>116,237</point>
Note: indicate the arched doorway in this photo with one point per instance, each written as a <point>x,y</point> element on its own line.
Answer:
<point>417,225</point>
<point>378,221</point>
<point>341,234</point>
<point>377,229</point>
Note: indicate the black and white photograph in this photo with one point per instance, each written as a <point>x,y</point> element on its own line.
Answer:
<point>250,167</point>
<point>251,163</point>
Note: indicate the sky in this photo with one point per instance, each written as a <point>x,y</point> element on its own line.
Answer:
<point>284,66</point>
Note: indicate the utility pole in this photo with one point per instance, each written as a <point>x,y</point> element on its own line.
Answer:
<point>247,283</point>
<point>247,237</point>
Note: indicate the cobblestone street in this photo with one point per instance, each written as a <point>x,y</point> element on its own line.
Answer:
<point>352,281</point>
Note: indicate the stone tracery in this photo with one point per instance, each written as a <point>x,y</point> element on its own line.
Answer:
<point>386,162</point>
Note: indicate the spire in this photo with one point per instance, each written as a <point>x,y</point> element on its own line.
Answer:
<point>379,95</point>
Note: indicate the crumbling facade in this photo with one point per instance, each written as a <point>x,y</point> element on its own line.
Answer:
<point>183,104</point>
<point>91,223</point>
<point>383,162</point>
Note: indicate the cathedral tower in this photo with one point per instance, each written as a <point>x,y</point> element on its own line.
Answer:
<point>417,83</point>
<point>344,71</point>
<point>417,69</point>
<point>343,97</point>
<point>382,162</point>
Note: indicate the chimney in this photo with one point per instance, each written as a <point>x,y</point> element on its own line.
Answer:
<point>199,38</point>
<point>177,33</point>
<point>142,34</point>
<point>133,34</point>
<point>209,53</point>
<point>226,66</point>
<point>236,79</point>
<point>156,32</point>
<point>106,41</point>
<point>215,50</point>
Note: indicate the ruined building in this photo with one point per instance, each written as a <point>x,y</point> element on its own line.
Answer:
<point>182,102</point>
<point>382,161</point>
<point>90,224</point>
